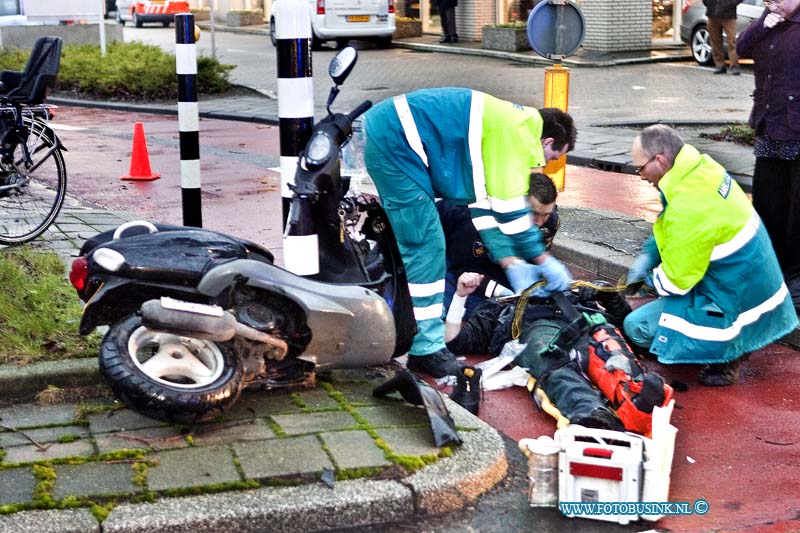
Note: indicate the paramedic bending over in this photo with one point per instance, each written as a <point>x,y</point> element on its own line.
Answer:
<point>471,148</point>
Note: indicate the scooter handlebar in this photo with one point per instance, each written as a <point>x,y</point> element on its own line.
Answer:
<point>360,110</point>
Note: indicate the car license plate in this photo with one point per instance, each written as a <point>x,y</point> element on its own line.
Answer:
<point>357,18</point>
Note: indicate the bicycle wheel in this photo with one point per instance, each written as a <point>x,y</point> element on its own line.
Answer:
<point>31,193</point>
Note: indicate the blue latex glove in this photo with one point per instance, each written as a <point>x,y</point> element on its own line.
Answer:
<point>642,269</point>
<point>502,291</point>
<point>522,275</point>
<point>557,276</point>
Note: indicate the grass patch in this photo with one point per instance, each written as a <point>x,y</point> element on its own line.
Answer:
<point>735,133</point>
<point>276,428</point>
<point>84,410</point>
<point>45,476</point>
<point>101,512</point>
<point>212,488</point>
<point>39,311</point>
<point>129,71</point>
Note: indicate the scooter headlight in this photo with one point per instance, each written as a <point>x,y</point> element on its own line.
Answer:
<point>319,149</point>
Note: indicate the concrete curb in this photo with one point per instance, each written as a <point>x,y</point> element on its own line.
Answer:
<point>22,383</point>
<point>530,59</point>
<point>278,509</point>
<point>591,257</point>
<point>55,521</point>
<point>450,484</point>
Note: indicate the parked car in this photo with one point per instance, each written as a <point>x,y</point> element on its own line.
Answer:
<point>343,20</point>
<point>139,13</point>
<point>694,30</point>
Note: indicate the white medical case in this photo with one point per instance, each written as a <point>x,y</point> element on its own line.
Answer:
<point>603,466</point>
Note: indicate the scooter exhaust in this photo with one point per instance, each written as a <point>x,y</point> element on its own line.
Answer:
<point>207,322</point>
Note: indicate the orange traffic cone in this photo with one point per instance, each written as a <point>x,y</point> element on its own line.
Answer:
<point>140,161</point>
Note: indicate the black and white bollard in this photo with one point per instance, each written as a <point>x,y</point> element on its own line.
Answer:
<point>188,118</point>
<point>296,117</point>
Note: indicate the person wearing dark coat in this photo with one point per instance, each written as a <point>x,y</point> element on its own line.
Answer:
<point>447,12</point>
<point>773,42</point>
<point>721,15</point>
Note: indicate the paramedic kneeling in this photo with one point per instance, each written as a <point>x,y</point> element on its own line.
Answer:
<point>711,262</point>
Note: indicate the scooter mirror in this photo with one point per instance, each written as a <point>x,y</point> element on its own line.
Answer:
<point>342,64</point>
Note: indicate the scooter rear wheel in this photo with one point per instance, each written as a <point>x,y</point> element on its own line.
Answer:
<point>170,377</point>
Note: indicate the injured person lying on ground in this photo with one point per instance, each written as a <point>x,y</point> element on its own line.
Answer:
<point>570,348</point>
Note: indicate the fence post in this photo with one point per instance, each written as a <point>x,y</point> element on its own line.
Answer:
<point>295,88</point>
<point>188,119</point>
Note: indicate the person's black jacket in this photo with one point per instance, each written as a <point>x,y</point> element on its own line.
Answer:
<point>721,9</point>
<point>488,328</point>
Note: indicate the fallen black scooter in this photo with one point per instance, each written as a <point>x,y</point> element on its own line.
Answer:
<point>196,315</point>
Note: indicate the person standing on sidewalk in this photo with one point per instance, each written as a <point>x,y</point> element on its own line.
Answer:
<point>447,13</point>
<point>721,15</point>
<point>773,42</point>
<point>710,261</point>
<point>474,149</point>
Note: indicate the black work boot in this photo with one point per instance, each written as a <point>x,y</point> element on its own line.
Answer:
<point>719,375</point>
<point>600,418</point>
<point>467,392</point>
<point>437,364</point>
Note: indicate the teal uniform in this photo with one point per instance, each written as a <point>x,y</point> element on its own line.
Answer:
<point>460,145</point>
<point>722,290</point>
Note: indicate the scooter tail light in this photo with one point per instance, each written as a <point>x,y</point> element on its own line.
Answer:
<point>320,7</point>
<point>686,5</point>
<point>391,6</point>
<point>79,273</point>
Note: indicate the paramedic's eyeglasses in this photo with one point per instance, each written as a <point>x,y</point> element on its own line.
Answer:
<point>639,169</point>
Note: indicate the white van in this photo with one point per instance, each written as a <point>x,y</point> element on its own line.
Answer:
<point>343,20</point>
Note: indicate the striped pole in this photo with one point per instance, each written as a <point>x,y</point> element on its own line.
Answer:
<point>188,118</point>
<point>295,87</point>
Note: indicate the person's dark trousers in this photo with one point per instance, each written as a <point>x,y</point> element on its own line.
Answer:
<point>776,198</point>
<point>564,385</point>
<point>448,16</point>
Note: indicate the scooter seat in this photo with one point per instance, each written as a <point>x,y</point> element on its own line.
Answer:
<point>179,256</point>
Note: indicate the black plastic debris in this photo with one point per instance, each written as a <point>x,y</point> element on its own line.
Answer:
<point>418,392</point>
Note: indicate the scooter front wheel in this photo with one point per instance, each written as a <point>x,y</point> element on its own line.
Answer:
<point>167,376</point>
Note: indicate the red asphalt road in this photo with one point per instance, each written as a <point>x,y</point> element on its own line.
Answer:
<point>743,441</point>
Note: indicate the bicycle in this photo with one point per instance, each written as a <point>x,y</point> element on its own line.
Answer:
<point>33,176</point>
